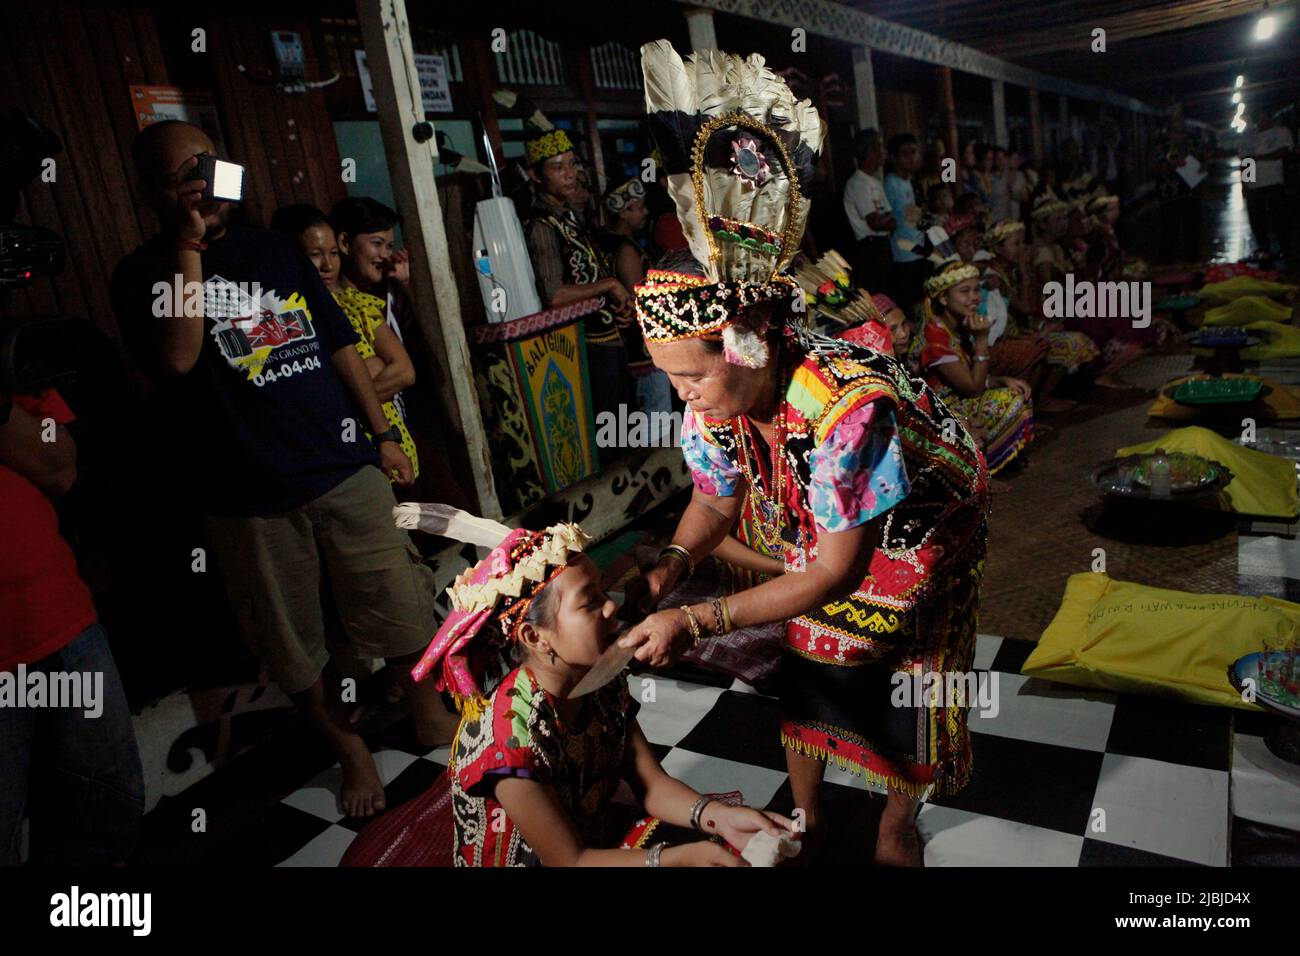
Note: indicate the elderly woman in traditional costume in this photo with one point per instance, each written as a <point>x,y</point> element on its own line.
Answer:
<point>868,486</point>
<point>536,768</point>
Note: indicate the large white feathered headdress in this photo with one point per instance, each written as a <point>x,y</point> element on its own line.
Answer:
<point>739,153</point>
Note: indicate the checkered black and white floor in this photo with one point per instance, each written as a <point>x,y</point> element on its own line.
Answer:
<point>1063,777</point>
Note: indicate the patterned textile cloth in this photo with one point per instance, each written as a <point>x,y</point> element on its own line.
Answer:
<point>1016,356</point>
<point>1069,350</point>
<point>418,833</point>
<point>366,312</point>
<point>1005,416</point>
<point>520,734</point>
<point>752,654</point>
<point>865,440</point>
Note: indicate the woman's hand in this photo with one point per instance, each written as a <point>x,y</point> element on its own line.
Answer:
<point>660,639</point>
<point>1019,384</point>
<point>701,853</point>
<point>978,325</point>
<point>643,594</point>
<point>400,267</point>
<point>737,825</point>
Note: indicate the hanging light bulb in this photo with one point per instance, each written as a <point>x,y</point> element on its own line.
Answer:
<point>1240,81</point>
<point>1236,97</point>
<point>1265,26</point>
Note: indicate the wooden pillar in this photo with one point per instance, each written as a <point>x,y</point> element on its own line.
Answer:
<point>587,84</point>
<point>482,77</point>
<point>386,35</point>
<point>864,89</point>
<point>948,111</point>
<point>1035,127</point>
<point>699,22</point>
<point>1000,114</point>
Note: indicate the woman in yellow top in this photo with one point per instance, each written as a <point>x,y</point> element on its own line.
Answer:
<point>385,357</point>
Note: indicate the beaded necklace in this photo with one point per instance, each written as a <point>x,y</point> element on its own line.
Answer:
<point>769,510</point>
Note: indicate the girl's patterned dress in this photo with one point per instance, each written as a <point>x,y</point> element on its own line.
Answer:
<point>366,313</point>
<point>867,440</point>
<point>1005,416</point>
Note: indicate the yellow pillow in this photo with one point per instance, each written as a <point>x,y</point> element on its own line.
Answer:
<point>1262,484</point>
<point>1246,309</point>
<point>1129,638</point>
<point>1243,285</point>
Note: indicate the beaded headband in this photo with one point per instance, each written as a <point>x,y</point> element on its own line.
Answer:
<point>549,144</point>
<point>951,275</point>
<point>630,191</point>
<point>498,590</point>
<point>1049,206</point>
<point>1001,230</point>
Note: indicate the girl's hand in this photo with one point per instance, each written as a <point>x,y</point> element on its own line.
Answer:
<point>1019,384</point>
<point>978,325</point>
<point>737,825</point>
<point>660,639</point>
<point>701,853</point>
<point>400,267</point>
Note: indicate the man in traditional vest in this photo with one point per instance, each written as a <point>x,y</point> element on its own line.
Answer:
<point>570,266</point>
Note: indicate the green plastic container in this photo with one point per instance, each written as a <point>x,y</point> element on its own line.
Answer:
<point>1218,391</point>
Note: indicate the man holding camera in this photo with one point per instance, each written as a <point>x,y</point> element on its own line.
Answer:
<point>273,403</point>
<point>70,764</point>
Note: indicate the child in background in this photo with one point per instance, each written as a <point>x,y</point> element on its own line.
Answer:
<point>382,351</point>
<point>955,359</point>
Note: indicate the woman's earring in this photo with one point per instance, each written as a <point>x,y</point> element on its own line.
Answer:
<point>552,655</point>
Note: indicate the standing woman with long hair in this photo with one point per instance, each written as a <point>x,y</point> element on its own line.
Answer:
<point>868,486</point>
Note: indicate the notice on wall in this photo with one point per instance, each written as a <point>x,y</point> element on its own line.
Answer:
<point>435,89</point>
<point>152,104</point>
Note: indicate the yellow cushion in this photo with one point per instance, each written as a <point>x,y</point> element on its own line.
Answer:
<point>1246,309</point>
<point>1262,484</point>
<point>1129,638</point>
<point>1243,285</point>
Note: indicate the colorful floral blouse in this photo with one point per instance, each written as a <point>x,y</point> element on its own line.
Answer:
<point>520,734</point>
<point>865,438</point>
<point>366,312</point>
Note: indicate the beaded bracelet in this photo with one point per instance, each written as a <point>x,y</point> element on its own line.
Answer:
<point>721,624</point>
<point>696,633</point>
<point>682,555</point>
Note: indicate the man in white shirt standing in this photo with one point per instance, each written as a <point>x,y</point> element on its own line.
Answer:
<point>869,214</point>
<point>1268,146</point>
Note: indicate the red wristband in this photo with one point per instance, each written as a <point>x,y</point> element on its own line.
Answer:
<point>195,244</point>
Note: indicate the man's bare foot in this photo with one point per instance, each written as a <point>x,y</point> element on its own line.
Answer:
<point>898,843</point>
<point>362,794</point>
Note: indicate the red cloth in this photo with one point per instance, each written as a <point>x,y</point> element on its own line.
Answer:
<point>44,603</point>
<point>668,234</point>
<point>871,334</point>
<point>418,833</point>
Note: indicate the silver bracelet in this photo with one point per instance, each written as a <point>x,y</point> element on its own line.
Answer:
<point>652,854</point>
<point>981,358</point>
<point>697,811</point>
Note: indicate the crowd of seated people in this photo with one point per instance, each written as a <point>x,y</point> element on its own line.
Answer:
<point>976,242</point>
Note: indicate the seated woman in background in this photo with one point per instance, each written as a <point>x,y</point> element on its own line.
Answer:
<point>535,771</point>
<point>382,351</point>
<point>1066,352</point>
<point>955,361</point>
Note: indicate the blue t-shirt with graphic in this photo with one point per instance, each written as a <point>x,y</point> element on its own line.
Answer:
<point>263,423</point>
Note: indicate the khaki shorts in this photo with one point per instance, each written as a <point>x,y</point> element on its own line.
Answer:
<point>272,568</point>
